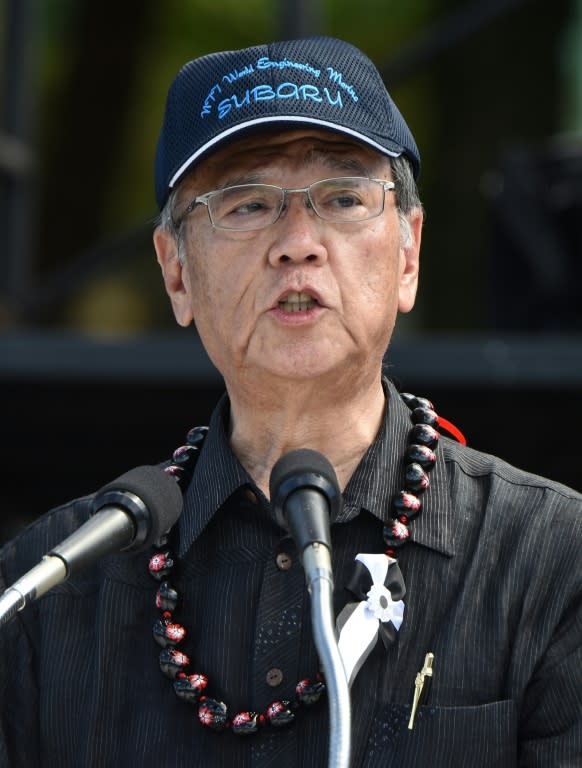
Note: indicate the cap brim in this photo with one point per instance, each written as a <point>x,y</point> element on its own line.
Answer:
<point>251,126</point>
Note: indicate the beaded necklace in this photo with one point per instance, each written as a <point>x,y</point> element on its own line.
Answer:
<point>175,664</point>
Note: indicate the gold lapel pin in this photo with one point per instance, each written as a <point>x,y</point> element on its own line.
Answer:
<point>426,671</point>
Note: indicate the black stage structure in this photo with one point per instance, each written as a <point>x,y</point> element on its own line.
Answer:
<point>78,412</point>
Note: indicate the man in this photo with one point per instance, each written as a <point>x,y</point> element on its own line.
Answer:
<point>290,235</point>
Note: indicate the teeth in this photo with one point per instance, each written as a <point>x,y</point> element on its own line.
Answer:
<point>297,302</point>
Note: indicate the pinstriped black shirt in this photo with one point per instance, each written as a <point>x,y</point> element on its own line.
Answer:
<point>493,578</point>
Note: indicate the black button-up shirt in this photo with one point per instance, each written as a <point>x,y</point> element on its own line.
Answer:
<point>493,579</point>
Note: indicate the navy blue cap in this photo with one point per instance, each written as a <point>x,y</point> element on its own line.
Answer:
<point>319,82</point>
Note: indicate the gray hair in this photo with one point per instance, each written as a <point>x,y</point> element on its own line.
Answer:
<point>407,197</point>
<point>405,186</point>
<point>406,191</point>
<point>166,221</point>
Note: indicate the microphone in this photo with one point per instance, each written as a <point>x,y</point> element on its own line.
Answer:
<point>128,514</point>
<point>306,498</point>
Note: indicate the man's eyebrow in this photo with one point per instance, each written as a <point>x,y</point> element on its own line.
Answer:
<point>229,181</point>
<point>346,164</point>
<point>337,162</point>
<point>252,177</point>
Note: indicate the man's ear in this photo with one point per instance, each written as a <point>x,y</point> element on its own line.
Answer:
<point>410,262</point>
<point>173,273</point>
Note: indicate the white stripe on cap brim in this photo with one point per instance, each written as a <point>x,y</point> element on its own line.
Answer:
<point>277,119</point>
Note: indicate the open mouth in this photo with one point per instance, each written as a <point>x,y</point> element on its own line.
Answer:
<point>297,302</point>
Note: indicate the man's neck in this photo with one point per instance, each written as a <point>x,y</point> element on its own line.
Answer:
<point>339,424</point>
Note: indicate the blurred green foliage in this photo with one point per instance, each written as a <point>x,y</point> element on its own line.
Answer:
<point>103,68</point>
<point>174,34</point>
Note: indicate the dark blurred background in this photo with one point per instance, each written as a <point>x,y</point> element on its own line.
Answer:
<point>94,376</point>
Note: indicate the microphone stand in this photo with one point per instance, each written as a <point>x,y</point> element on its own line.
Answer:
<point>305,494</point>
<point>44,576</point>
<point>317,563</point>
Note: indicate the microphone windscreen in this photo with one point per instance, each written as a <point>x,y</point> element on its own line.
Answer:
<point>303,468</point>
<point>158,491</point>
<point>298,463</point>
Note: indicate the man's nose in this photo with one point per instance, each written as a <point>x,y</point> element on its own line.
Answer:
<point>299,233</point>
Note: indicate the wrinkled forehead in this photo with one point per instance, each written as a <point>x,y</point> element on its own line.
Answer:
<point>281,153</point>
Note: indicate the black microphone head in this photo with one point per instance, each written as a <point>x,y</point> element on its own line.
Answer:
<point>150,496</point>
<point>303,468</point>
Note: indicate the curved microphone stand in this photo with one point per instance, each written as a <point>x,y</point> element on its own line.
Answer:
<point>305,496</point>
<point>320,586</point>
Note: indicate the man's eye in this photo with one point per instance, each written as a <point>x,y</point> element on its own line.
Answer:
<point>342,200</point>
<point>244,207</point>
<point>347,201</point>
<point>252,206</point>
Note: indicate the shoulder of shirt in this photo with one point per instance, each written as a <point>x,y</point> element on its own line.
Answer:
<point>28,546</point>
<point>482,467</point>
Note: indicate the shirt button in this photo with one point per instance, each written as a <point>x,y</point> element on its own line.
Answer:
<point>274,677</point>
<point>283,561</point>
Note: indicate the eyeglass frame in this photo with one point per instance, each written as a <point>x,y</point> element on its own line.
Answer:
<point>387,186</point>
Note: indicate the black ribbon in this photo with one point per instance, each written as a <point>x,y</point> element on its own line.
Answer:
<point>359,584</point>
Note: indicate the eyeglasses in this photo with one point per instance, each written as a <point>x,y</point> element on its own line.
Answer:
<point>246,207</point>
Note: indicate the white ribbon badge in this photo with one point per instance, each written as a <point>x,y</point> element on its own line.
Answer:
<point>359,622</point>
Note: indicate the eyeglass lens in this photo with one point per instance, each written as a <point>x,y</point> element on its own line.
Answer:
<point>255,206</point>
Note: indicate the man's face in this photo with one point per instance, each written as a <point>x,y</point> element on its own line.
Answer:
<point>239,287</point>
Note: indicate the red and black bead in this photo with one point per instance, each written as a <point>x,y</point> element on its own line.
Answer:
<point>166,597</point>
<point>173,661</point>
<point>420,402</point>
<point>408,398</point>
<point>309,692</point>
<point>213,714</point>
<point>189,688</point>
<point>406,503</point>
<point>185,455</point>
<point>167,633</point>
<point>424,416</point>
<point>196,436</point>
<point>279,713</point>
<point>415,478</point>
<point>245,723</point>
<point>424,434</point>
<point>178,473</point>
<point>160,565</point>
<point>396,533</point>
<point>421,454</point>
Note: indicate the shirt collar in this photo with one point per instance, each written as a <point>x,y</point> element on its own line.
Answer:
<point>378,476</point>
<point>218,474</point>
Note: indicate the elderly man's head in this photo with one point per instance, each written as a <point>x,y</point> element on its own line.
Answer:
<point>291,224</point>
